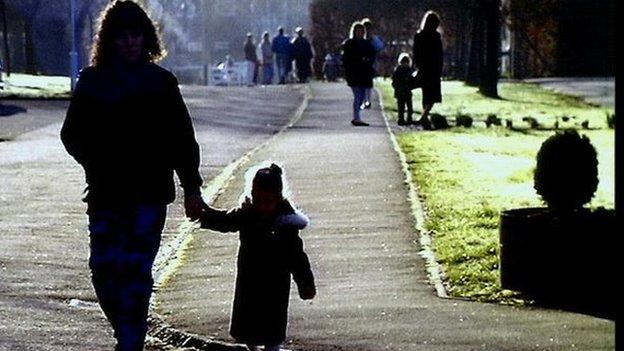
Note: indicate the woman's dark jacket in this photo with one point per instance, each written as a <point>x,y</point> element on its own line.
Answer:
<point>427,58</point>
<point>357,59</point>
<point>402,81</point>
<point>270,251</point>
<point>302,53</point>
<point>130,131</point>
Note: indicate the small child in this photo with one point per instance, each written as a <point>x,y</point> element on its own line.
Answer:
<point>402,82</point>
<point>270,251</point>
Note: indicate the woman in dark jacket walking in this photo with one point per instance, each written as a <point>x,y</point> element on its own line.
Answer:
<point>270,251</point>
<point>427,58</point>
<point>302,53</point>
<point>129,128</point>
<point>357,59</point>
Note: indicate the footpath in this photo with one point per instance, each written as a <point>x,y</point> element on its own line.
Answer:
<point>373,289</point>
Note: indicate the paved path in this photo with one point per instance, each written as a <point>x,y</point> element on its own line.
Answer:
<point>597,90</point>
<point>373,293</point>
<point>43,241</point>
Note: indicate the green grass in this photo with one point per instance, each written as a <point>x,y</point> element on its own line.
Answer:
<point>20,85</point>
<point>518,100</point>
<point>468,176</point>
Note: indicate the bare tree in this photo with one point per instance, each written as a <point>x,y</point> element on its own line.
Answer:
<point>488,84</point>
<point>7,54</point>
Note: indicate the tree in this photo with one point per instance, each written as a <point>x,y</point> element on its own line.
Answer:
<point>7,54</point>
<point>490,72</point>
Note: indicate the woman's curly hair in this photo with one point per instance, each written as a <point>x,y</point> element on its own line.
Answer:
<point>120,16</point>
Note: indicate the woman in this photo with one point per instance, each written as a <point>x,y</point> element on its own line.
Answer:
<point>129,128</point>
<point>302,53</point>
<point>357,59</point>
<point>267,59</point>
<point>427,58</point>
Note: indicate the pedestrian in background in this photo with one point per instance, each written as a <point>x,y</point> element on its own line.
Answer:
<point>128,127</point>
<point>267,59</point>
<point>402,82</point>
<point>302,54</point>
<point>428,61</point>
<point>357,60</point>
<point>251,58</point>
<point>282,48</point>
<point>270,251</point>
<point>378,45</point>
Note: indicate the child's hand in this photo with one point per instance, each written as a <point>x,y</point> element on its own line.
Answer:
<point>247,204</point>
<point>307,293</point>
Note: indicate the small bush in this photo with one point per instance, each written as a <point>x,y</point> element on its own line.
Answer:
<point>463,121</point>
<point>491,120</point>
<point>566,174</point>
<point>439,121</point>
<point>509,123</point>
<point>611,120</point>
<point>531,121</point>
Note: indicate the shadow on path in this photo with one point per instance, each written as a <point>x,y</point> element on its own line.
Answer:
<point>10,110</point>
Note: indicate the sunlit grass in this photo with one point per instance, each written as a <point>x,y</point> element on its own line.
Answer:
<point>518,100</point>
<point>467,177</point>
<point>30,86</point>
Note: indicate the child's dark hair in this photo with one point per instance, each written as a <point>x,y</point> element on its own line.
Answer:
<point>404,56</point>
<point>269,178</point>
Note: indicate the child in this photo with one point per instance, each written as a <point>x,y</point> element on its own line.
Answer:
<point>402,82</point>
<point>270,251</point>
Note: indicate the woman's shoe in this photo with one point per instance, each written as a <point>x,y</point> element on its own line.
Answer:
<point>359,123</point>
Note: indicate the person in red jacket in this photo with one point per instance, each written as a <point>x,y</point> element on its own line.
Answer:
<point>130,130</point>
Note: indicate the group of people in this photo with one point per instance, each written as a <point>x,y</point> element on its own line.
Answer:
<point>423,70</point>
<point>280,52</point>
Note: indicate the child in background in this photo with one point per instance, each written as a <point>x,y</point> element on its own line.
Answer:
<point>402,82</point>
<point>270,251</point>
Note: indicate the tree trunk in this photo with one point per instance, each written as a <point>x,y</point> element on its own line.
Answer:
<point>5,34</point>
<point>29,47</point>
<point>473,71</point>
<point>490,72</point>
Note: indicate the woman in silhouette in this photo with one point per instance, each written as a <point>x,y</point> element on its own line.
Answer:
<point>427,58</point>
<point>129,128</point>
<point>357,59</point>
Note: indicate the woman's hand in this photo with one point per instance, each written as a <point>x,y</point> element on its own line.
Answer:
<point>193,206</point>
<point>307,293</point>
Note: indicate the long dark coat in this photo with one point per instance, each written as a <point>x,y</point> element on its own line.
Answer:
<point>302,53</point>
<point>427,57</point>
<point>130,129</point>
<point>270,251</point>
<point>357,60</point>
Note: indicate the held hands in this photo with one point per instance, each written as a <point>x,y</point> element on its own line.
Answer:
<point>193,206</point>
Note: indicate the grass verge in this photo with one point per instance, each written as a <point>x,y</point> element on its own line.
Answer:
<point>25,86</point>
<point>467,176</point>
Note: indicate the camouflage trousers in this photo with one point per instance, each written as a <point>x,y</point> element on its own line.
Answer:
<point>124,243</point>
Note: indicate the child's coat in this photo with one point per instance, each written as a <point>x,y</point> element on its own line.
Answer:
<point>270,251</point>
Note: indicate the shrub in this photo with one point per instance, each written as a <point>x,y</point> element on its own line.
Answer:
<point>532,121</point>
<point>463,121</point>
<point>439,121</point>
<point>566,174</point>
<point>611,120</point>
<point>492,120</point>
